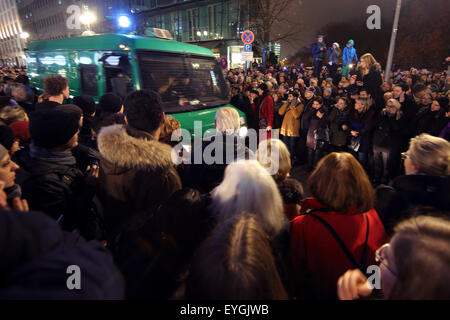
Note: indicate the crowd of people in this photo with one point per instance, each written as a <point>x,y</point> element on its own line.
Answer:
<point>95,185</point>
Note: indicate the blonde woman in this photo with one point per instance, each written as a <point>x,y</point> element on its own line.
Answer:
<point>426,182</point>
<point>248,187</point>
<point>389,139</point>
<point>372,80</point>
<point>11,114</point>
<point>271,153</point>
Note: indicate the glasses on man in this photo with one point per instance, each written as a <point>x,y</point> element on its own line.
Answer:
<point>381,256</point>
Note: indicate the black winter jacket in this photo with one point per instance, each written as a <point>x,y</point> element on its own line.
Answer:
<point>408,192</point>
<point>389,133</point>
<point>35,255</point>
<point>57,187</point>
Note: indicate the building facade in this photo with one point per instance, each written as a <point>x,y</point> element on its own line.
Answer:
<point>11,43</point>
<point>215,24</point>
<point>56,19</point>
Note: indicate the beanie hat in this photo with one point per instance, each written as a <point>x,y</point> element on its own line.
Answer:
<point>6,137</point>
<point>110,102</point>
<point>351,42</point>
<point>71,109</point>
<point>3,152</point>
<point>86,103</point>
<point>52,128</point>
<point>263,87</point>
<point>21,130</point>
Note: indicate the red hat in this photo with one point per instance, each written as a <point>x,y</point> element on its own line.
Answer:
<point>354,76</point>
<point>21,130</point>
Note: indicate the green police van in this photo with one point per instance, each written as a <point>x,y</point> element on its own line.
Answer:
<point>188,77</point>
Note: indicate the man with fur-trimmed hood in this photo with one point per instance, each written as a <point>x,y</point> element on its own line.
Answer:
<point>137,174</point>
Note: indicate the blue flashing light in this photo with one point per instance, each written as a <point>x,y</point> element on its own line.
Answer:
<point>124,21</point>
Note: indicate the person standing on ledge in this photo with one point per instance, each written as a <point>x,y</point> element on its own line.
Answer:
<point>348,56</point>
<point>319,51</point>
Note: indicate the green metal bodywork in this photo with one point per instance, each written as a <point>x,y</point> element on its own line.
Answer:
<point>65,56</point>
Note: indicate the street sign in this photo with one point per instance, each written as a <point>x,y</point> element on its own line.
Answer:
<point>247,47</point>
<point>248,37</point>
<point>224,63</point>
<point>247,56</point>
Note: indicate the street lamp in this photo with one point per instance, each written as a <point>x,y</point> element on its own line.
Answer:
<point>87,18</point>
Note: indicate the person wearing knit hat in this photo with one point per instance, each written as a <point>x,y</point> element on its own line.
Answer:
<point>348,56</point>
<point>264,108</point>
<point>74,111</point>
<point>86,103</point>
<point>21,131</point>
<point>57,186</point>
<point>111,103</point>
<point>263,89</point>
<point>54,129</point>
<point>333,56</point>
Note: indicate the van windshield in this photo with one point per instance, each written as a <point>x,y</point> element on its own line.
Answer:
<point>185,83</point>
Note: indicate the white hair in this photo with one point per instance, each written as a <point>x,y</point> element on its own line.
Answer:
<point>247,187</point>
<point>227,120</point>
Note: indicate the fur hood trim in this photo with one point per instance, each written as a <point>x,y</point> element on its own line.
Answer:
<point>121,149</point>
<point>376,67</point>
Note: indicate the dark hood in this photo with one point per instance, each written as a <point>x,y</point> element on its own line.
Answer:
<point>35,254</point>
<point>424,190</point>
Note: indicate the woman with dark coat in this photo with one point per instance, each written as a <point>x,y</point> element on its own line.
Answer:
<point>426,182</point>
<point>432,120</point>
<point>263,107</point>
<point>318,135</point>
<point>338,119</point>
<point>360,128</point>
<point>389,140</point>
<point>372,80</point>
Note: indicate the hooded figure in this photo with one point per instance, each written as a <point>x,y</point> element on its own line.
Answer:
<point>35,255</point>
<point>348,56</point>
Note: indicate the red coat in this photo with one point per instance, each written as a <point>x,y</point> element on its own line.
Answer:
<point>317,260</point>
<point>266,111</point>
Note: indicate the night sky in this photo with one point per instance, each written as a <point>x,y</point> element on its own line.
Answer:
<point>316,14</point>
